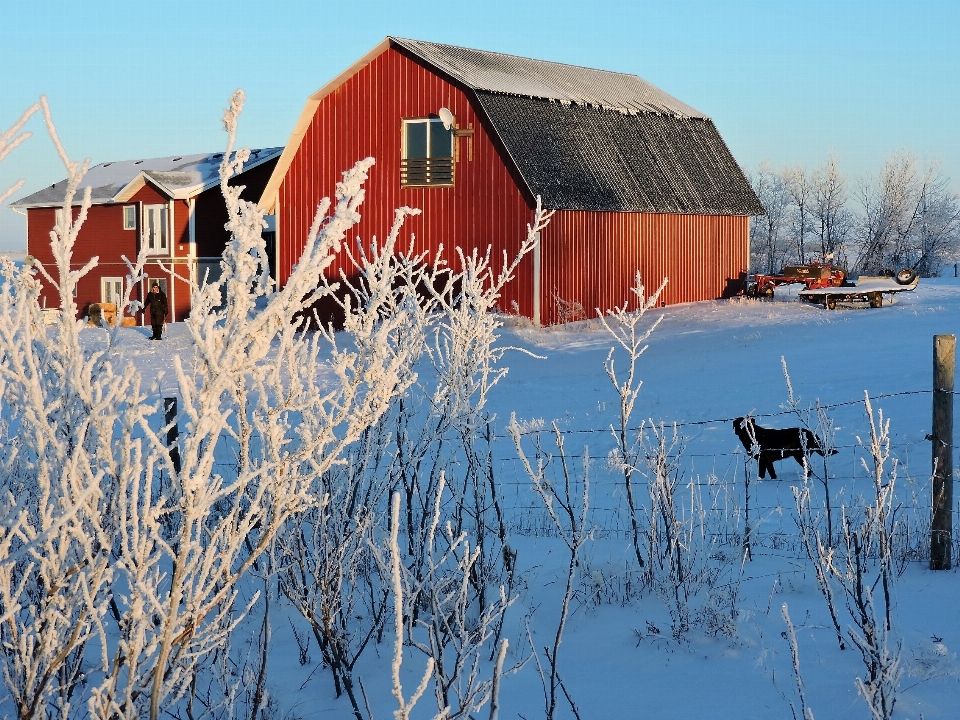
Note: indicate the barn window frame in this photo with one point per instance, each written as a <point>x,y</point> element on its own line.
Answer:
<point>427,153</point>
<point>129,217</point>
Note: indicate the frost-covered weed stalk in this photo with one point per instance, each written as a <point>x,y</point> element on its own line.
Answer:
<point>439,425</point>
<point>806,712</point>
<point>669,536</point>
<point>872,631</point>
<point>432,431</point>
<point>567,502</point>
<point>120,573</point>
<point>324,557</point>
<point>451,631</point>
<point>863,566</point>
<point>626,328</point>
<point>69,423</point>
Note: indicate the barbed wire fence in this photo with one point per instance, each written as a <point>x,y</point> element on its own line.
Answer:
<point>718,475</point>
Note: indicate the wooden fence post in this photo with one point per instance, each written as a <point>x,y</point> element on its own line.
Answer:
<point>173,432</point>
<point>941,528</point>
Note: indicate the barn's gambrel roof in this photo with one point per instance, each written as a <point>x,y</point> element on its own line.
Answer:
<point>579,138</point>
<point>177,176</point>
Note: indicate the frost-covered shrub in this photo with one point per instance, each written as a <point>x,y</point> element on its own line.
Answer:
<point>120,567</point>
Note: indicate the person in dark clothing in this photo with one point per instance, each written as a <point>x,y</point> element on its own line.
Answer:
<point>157,302</point>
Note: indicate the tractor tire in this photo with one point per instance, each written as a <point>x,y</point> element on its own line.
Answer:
<point>753,291</point>
<point>766,292</point>
<point>905,276</point>
<point>830,303</point>
<point>875,299</point>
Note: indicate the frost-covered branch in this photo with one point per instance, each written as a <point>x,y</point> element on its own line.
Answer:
<point>11,139</point>
<point>569,512</point>
<point>627,330</point>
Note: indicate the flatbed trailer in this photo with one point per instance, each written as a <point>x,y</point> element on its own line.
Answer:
<point>867,289</point>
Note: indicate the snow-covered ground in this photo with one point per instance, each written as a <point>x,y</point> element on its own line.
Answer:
<point>707,363</point>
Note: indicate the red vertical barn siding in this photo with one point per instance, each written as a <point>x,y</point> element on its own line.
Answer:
<point>362,118</point>
<point>591,257</point>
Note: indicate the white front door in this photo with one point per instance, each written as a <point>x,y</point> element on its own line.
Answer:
<point>155,230</point>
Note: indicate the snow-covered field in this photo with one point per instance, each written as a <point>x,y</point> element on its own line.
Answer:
<point>707,363</point>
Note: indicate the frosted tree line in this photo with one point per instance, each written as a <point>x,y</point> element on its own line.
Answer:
<point>907,216</point>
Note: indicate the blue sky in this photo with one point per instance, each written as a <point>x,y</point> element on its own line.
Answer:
<point>785,81</point>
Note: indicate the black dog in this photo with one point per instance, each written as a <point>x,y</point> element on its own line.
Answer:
<point>776,444</point>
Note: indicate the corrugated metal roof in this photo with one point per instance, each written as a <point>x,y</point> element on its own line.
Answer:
<point>582,158</point>
<point>178,175</point>
<point>525,77</point>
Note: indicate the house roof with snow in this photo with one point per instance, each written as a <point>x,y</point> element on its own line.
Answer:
<point>581,139</point>
<point>179,177</point>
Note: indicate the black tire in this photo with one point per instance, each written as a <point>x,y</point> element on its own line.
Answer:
<point>830,303</point>
<point>876,300</point>
<point>765,292</point>
<point>752,290</point>
<point>905,276</point>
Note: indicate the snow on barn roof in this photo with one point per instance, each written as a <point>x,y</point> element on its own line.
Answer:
<point>177,176</point>
<point>567,84</point>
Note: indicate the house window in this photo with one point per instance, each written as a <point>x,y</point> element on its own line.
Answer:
<point>129,217</point>
<point>111,290</point>
<point>155,230</point>
<point>427,153</point>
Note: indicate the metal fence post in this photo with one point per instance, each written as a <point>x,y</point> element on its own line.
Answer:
<point>941,528</point>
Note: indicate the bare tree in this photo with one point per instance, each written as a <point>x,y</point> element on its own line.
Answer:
<point>910,218</point>
<point>830,216</point>
<point>768,247</point>
<point>800,189</point>
<point>890,211</point>
<point>937,233</point>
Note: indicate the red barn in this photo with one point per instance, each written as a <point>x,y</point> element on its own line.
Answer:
<point>172,206</point>
<point>639,180</point>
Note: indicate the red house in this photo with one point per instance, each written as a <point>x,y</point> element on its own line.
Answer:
<point>639,180</point>
<point>172,206</point>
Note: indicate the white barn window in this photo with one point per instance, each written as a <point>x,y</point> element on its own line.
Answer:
<point>427,153</point>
